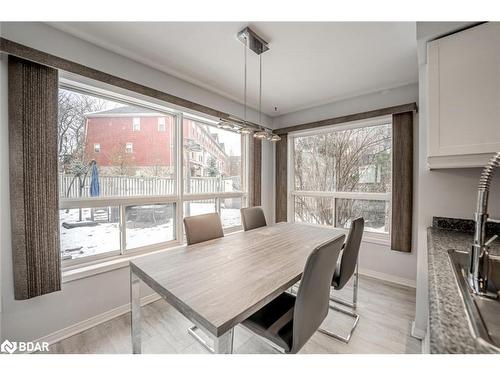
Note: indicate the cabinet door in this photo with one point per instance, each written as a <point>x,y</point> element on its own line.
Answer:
<point>464,92</point>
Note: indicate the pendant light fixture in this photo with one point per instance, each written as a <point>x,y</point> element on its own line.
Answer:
<point>258,45</point>
<point>275,138</point>
<point>261,134</point>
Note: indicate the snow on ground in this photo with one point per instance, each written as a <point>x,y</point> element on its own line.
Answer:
<point>92,240</point>
<point>105,237</point>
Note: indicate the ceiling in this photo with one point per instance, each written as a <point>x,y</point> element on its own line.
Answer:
<point>308,64</point>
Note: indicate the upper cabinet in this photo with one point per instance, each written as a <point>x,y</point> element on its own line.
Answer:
<point>464,97</point>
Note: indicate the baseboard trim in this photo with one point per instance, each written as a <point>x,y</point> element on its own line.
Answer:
<point>79,327</point>
<point>417,332</point>
<point>386,277</point>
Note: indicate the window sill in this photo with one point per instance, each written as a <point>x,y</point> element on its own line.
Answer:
<point>377,238</point>
<point>85,270</point>
<point>369,237</point>
<point>95,268</point>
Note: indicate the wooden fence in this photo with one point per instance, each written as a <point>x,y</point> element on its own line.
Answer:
<point>121,186</point>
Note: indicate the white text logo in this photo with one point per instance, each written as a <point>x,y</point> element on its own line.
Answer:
<point>21,346</point>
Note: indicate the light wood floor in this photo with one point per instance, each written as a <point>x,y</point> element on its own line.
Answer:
<point>386,313</point>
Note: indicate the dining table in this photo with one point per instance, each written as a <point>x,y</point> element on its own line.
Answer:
<point>217,284</point>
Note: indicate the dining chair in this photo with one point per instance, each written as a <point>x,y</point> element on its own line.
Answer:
<point>253,218</point>
<point>289,321</point>
<point>346,267</point>
<point>201,228</point>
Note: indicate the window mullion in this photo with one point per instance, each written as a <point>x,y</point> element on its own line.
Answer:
<point>179,136</point>
<point>123,229</point>
<point>334,213</point>
<point>290,180</point>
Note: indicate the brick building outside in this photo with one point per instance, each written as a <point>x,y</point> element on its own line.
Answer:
<point>138,141</point>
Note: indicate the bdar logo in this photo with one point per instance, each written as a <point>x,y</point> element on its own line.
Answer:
<point>8,347</point>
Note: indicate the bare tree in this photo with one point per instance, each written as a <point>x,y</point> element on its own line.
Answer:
<point>71,123</point>
<point>334,162</point>
<point>122,162</point>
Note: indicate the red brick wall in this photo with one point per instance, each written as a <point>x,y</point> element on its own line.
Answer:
<point>150,146</point>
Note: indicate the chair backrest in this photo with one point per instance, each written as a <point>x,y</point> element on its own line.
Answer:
<point>202,228</point>
<point>313,297</point>
<point>252,218</point>
<point>350,253</point>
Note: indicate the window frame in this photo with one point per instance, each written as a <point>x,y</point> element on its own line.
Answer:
<point>97,148</point>
<point>292,193</point>
<point>178,197</point>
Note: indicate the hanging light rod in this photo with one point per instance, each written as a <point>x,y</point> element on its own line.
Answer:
<point>254,42</point>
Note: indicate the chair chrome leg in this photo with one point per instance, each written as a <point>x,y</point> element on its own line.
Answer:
<point>354,302</point>
<point>352,305</point>
<point>347,338</point>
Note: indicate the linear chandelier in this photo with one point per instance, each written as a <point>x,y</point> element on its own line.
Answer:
<point>251,41</point>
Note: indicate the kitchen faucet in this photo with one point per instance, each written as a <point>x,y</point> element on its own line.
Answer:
<point>479,256</point>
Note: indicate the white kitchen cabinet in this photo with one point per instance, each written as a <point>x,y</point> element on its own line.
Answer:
<point>464,97</point>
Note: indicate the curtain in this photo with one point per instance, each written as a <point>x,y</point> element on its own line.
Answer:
<point>402,181</point>
<point>281,178</point>
<point>256,172</point>
<point>33,90</point>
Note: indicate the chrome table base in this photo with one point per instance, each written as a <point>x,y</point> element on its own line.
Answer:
<point>192,331</point>
<point>135,299</point>
<point>222,344</point>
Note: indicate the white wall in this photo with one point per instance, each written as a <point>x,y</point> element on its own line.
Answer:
<point>85,298</point>
<point>363,103</point>
<point>451,192</point>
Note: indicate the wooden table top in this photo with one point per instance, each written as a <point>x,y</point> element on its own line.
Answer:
<point>220,283</point>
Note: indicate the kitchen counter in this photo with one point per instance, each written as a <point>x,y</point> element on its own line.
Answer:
<point>448,321</point>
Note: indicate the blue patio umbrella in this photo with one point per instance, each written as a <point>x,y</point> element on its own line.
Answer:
<point>94,181</point>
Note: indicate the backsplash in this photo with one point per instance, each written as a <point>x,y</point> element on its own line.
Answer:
<point>463,225</point>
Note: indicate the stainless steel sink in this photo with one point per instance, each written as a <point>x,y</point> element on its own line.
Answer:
<point>483,312</point>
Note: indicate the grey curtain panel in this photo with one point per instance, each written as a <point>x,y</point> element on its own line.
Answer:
<point>281,178</point>
<point>256,172</point>
<point>254,175</point>
<point>402,181</point>
<point>33,90</point>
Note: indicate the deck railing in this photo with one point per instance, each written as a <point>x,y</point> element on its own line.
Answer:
<point>123,186</point>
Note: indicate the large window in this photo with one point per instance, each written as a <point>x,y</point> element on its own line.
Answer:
<point>341,173</point>
<point>119,168</point>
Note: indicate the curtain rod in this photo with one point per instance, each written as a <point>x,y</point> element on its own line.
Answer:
<point>409,107</point>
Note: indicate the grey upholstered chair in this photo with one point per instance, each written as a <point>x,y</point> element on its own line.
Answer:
<point>346,267</point>
<point>201,228</point>
<point>252,218</point>
<point>289,321</point>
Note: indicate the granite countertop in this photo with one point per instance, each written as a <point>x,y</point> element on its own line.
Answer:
<point>450,331</point>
